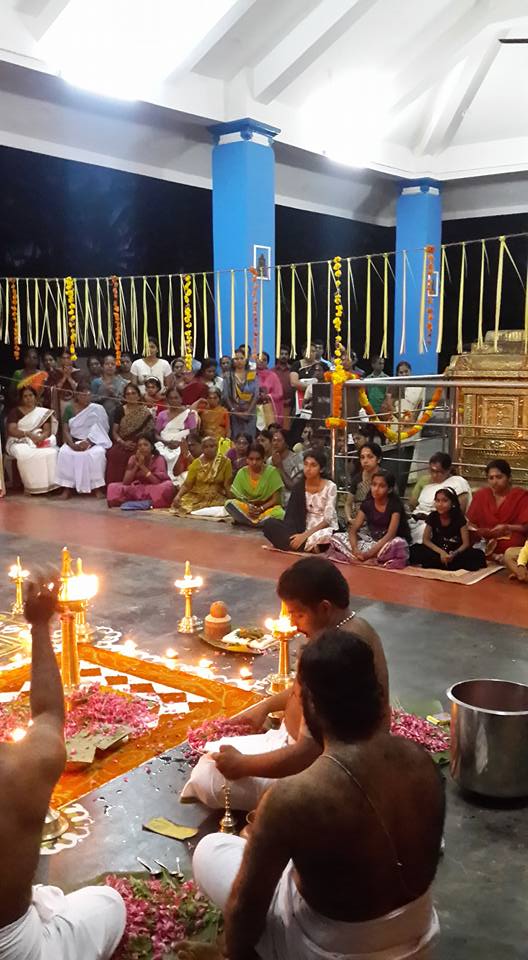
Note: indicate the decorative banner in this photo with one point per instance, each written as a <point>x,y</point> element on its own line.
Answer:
<point>187,320</point>
<point>69,288</point>
<point>463,264</point>
<point>13,292</point>
<point>117,319</point>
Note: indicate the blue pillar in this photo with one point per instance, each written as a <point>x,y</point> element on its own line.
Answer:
<point>418,224</point>
<point>244,218</point>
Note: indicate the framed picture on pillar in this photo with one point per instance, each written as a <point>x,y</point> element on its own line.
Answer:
<point>262,261</point>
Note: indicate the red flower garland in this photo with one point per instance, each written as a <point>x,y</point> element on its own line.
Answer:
<point>254,307</point>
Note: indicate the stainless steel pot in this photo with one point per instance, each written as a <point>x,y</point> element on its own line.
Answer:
<point>489,737</point>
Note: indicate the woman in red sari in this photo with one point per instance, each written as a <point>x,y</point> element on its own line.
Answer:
<point>499,512</point>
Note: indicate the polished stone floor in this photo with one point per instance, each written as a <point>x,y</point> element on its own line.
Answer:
<point>434,635</point>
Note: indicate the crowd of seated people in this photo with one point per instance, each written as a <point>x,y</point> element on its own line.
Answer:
<point>239,442</point>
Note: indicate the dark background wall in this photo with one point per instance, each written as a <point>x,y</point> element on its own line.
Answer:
<point>60,217</point>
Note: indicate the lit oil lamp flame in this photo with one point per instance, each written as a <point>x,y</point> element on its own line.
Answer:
<point>81,587</point>
<point>18,734</point>
<point>205,664</point>
<point>283,625</point>
<point>189,582</point>
<point>16,572</point>
<point>170,653</point>
<point>245,673</point>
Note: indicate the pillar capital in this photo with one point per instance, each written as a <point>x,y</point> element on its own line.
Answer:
<point>424,185</point>
<point>243,129</point>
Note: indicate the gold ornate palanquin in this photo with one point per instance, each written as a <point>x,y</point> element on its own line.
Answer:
<point>492,421</point>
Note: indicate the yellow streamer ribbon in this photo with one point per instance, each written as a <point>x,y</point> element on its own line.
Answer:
<point>219,314</point>
<point>261,318</point>
<point>195,319</point>
<point>440,335</point>
<point>278,314</point>
<point>134,319</point>
<point>205,316</point>
<point>158,313</point>
<point>349,306</point>
<point>404,304</point>
<point>19,332</point>
<point>99,321</point>
<point>60,318</point>
<point>170,336</point>
<point>480,334</point>
<point>460,338</point>
<point>421,323</point>
<point>292,311</point>
<point>29,318</point>
<point>182,308</point>
<point>122,312</point>
<point>526,313</point>
<point>36,305</point>
<point>498,296</point>
<point>328,308</point>
<point>309,281</point>
<point>383,351</point>
<point>232,315</point>
<point>6,327</point>
<point>246,308</point>
<point>145,319</point>
<point>368,311</point>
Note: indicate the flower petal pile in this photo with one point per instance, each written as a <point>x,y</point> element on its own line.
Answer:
<point>198,736</point>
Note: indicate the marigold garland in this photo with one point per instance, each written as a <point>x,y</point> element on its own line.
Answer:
<point>69,289</point>
<point>430,251</point>
<point>13,299</point>
<point>393,435</point>
<point>339,375</point>
<point>187,320</point>
<point>117,320</point>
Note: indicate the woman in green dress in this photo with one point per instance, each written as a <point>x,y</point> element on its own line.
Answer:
<point>257,491</point>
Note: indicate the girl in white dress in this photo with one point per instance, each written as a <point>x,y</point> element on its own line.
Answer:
<point>311,517</point>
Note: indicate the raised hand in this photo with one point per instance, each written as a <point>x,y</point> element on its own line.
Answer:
<point>41,599</point>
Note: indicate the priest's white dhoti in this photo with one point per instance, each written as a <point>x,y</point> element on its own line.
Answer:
<point>296,932</point>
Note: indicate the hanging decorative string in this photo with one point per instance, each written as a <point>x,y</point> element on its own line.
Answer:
<point>368,309</point>
<point>526,312</point>
<point>309,290</point>
<point>463,264</point>
<point>384,343</point>
<point>123,313</point>
<point>158,310</point>
<point>36,305</point>
<point>116,309</point>
<point>349,307</point>
<point>278,312</point>
<point>498,296</point>
<point>99,317</point>
<point>404,304</point>
<point>171,350</point>
<point>232,314</point>
<point>182,311</point>
<point>69,288</point>
<point>187,320</point>
<point>338,376</point>
<point>429,293</point>
<point>134,319</point>
<point>13,301</point>
<point>195,314</point>
<point>261,318</point>
<point>480,321</point>
<point>328,307</point>
<point>443,264</point>
<point>254,308</point>
<point>145,319</point>
<point>219,315</point>
<point>205,317</point>
<point>293,318</point>
<point>109,315</point>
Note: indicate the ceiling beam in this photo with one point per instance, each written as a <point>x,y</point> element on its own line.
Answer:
<point>304,44</point>
<point>444,50</point>
<point>214,36</point>
<point>39,15</point>
<point>447,117</point>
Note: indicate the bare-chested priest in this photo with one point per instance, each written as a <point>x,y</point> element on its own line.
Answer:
<point>317,597</point>
<point>41,923</point>
<point>341,857</point>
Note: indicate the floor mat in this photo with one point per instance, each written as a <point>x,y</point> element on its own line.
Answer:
<point>466,577</point>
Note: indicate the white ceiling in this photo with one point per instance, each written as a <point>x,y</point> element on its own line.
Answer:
<point>413,89</point>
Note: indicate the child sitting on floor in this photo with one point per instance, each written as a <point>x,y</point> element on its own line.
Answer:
<point>446,543</point>
<point>516,560</point>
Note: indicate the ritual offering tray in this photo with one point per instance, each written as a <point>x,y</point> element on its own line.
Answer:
<point>246,640</point>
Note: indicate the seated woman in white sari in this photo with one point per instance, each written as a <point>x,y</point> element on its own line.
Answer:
<point>32,443</point>
<point>82,458</point>
<point>172,426</point>
<point>422,499</point>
